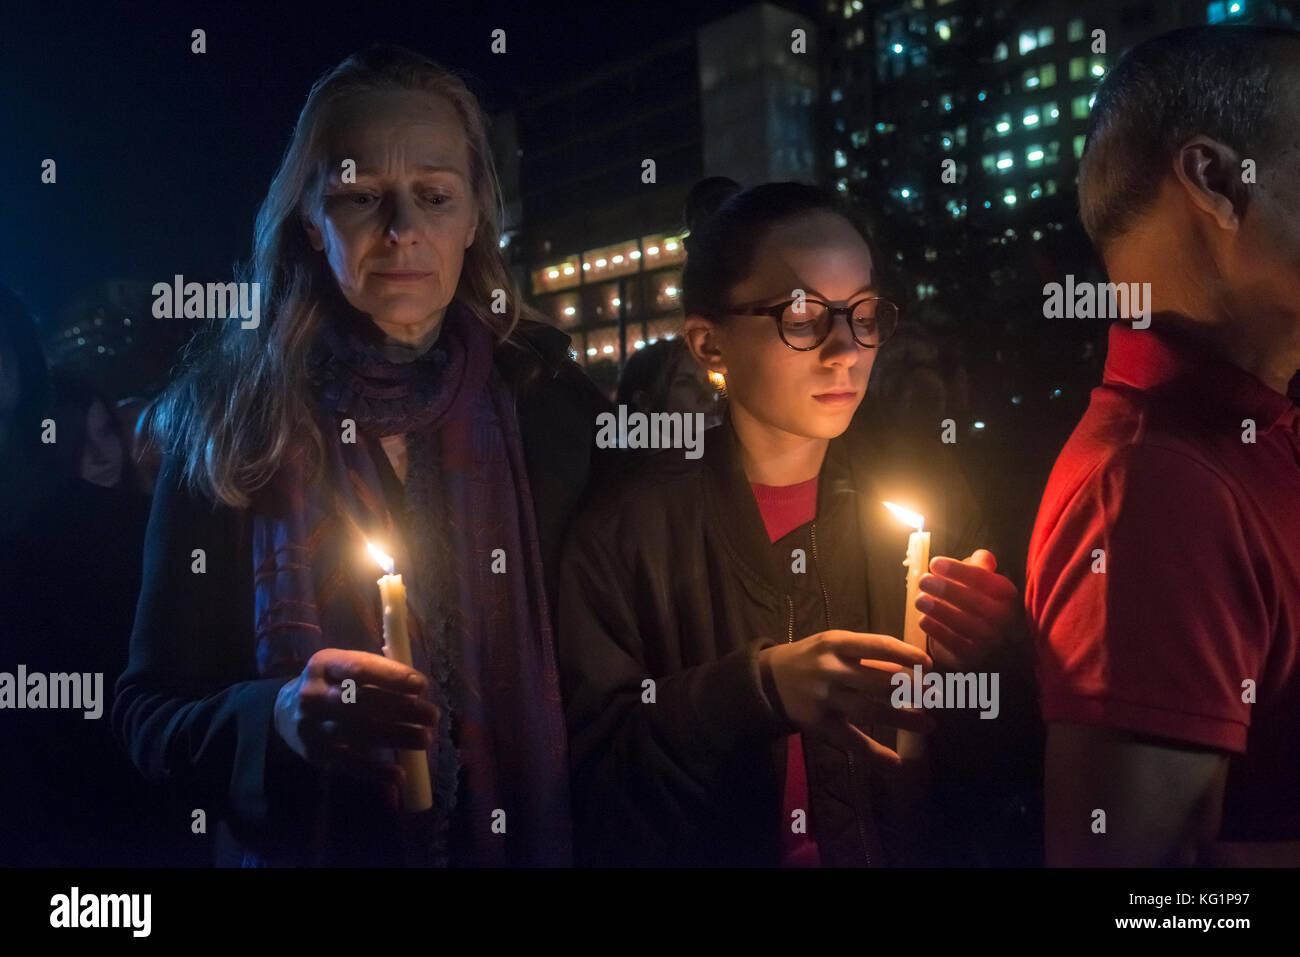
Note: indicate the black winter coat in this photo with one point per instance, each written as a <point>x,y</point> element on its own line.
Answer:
<point>192,710</point>
<point>671,577</point>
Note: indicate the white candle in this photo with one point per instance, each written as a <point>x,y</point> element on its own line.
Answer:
<point>911,744</point>
<point>417,795</point>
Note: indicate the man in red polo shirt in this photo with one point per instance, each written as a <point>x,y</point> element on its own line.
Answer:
<point>1163,590</point>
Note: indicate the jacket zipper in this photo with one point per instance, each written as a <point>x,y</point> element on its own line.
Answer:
<point>826,605</point>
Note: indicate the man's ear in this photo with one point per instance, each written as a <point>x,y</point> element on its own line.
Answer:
<point>1210,174</point>
<point>702,340</point>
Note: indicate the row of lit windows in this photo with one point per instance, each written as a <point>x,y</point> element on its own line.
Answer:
<point>630,256</point>
<point>1010,196</point>
<point>647,294</point>
<point>1035,155</point>
<point>1031,40</point>
<point>603,343</point>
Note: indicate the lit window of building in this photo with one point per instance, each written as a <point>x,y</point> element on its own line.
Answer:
<point>1034,156</point>
<point>1005,162</point>
<point>1004,124</point>
<point>1051,113</point>
<point>1031,117</point>
<point>1045,36</point>
<point>1078,68</point>
<point>1079,107</point>
<point>1009,197</point>
<point>1028,42</point>
<point>1098,67</point>
<point>1076,29</point>
<point>1078,146</point>
<point>1000,52</point>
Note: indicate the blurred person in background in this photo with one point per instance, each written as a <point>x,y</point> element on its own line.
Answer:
<point>664,377</point>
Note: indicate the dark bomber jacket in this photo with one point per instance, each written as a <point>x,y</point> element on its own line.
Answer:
<point>671,578</point>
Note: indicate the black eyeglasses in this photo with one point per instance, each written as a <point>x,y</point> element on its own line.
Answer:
<point>804,324</point>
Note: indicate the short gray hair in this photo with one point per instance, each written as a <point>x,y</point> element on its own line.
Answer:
<point>1216,81</point>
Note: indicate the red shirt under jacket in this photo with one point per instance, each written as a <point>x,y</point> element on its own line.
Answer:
<point>1199,595</point>
<point>784,508</point>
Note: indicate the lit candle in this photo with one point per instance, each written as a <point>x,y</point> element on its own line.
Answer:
<point>911,744</point>
<point>416,792</point>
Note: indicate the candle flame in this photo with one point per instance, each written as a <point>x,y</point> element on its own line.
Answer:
<point>385,561</point>
<point>914,519</point>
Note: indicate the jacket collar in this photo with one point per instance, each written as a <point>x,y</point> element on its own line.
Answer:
<point>534,346</point>
<point>732,502</point>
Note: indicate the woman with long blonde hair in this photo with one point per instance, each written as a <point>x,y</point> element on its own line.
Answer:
<point>395,392</point>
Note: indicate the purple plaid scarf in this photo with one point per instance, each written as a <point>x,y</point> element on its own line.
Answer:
<point>481,634</point>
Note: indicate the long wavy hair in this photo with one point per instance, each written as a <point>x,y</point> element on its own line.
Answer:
<point>244,401</point>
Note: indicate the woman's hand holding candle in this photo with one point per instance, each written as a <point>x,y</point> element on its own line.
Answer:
<point>334,732</point>
<point>825,685</point>
<point>967,609</point>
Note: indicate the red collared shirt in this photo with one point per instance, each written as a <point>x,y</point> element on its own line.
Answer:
<point>1197,607</point>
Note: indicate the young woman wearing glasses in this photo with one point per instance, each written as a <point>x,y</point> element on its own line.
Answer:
<point>715,613</point>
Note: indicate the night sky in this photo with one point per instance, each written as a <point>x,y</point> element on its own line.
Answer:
<point>163,155</point>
